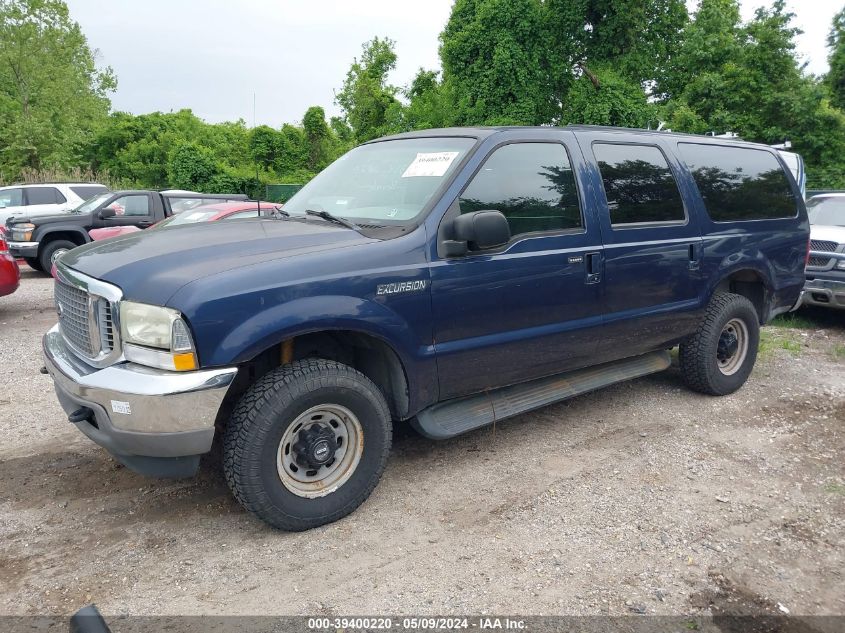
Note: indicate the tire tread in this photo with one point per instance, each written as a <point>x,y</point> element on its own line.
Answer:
<point>278,389</point>
<point>694,355</point>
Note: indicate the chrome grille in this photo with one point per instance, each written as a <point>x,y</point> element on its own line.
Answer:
<point>89,320</point>
<point>86,321</point>
<point>822,245</point>
<point>106,326</point>
<point>818,262</point>
<point>72,306</point>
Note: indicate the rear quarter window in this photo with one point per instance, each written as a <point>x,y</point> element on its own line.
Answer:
<point>88,191</point>
<point>739,183</point>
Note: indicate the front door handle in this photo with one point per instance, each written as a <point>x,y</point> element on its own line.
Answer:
<point>594,266</point>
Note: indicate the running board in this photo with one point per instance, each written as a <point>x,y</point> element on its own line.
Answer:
<point>453,417</point>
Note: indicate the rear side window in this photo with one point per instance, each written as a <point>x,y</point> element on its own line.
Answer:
<point>87,191</point>
<point>44,195</point>
<point>532,184</point>
<point>638,184</point>
<point>11,198</point>
<point>739,183</point>
<point>253,213</point>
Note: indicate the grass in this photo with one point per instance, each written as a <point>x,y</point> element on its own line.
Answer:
<point>795,321</point>
<point>838,352</point>
<point>771,340</point>
<point>838,489</point>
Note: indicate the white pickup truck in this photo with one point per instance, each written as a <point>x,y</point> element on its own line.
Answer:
<point>825,285</point>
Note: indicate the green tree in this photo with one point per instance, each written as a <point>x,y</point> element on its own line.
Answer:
<point>604,97</point>
<point>637,38</point>
<point>366,97</point>
<point>836,75</point>
<point>429,102</point>
<point>192,167</point>
<point>265,145</point>
<point>493,57</point>
<point>318,136</point>
<point>52,95</point>
<point>745,78</point>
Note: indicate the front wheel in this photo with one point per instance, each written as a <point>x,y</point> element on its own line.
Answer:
<point>52,251</point>
<point>307,444</point>
<point>719,357</point>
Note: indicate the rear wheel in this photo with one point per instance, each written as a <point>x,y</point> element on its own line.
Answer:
<point>307,444</point>
<point>33,263</point>
<point>52,251</point>
<point>719,357</point>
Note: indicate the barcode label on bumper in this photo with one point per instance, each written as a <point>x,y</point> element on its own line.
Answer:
<point>119,406</point>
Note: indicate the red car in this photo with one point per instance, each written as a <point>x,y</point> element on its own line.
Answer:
<point>10,274</point>
<point>207,213</point>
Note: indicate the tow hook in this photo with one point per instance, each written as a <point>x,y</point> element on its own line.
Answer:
<point>82,414</point>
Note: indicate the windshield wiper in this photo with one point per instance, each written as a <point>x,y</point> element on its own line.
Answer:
<point>333,218</point>
<point>279,213</point>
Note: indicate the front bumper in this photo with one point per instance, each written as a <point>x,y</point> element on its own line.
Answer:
<point>23,249</point>
<point>829,293</point>
<point>155,422</point>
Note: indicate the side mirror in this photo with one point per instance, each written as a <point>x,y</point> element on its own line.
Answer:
<point>478,230</point>
<point>106,213</point>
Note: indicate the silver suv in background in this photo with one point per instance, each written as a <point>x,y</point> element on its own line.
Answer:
<point>33,200</point>
<point>825,285</point>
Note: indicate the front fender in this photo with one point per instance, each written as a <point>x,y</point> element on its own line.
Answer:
<point>236,341</point>
<point>312,314</point>
<point>44,233</point>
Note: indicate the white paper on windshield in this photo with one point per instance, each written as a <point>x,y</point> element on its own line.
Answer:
<point>430,164</point>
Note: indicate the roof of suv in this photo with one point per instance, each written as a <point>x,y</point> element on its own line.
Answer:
<point>53,184</point>
<point>481,132</point>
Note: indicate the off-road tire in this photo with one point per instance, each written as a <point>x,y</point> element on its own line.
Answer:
<point>259,421</point>
<point>33,263</point>
<point>697,356</point>
<point>46,256</point>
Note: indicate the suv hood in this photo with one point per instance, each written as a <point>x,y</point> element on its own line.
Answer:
<point>150,266</point>
<point>827,233</point>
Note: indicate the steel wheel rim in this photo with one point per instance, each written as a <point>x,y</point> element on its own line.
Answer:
<point>730,364</point>
<point>305,480</point>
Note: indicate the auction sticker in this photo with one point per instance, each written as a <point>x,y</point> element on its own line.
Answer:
<point>430,164</point>
<point>119,406</point>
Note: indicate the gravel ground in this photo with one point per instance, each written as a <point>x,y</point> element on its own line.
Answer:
<point>641,498</point>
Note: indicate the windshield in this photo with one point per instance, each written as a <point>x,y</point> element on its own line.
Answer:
<point>389,182</point>
<point>188,217</point>
<point>92,203</point>
<point>828,211</point>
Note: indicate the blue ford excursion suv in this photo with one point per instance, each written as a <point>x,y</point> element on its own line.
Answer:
<point>448,278</point>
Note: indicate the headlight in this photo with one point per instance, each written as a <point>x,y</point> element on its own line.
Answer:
<point>841,264</point>
<point>21,232</point>
<point>156,336</point>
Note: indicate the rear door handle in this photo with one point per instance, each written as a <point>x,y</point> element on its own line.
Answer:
<point>694,255</point>
<point>594,266</point>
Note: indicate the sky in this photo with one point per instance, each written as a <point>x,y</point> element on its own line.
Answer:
<point>219,58</point>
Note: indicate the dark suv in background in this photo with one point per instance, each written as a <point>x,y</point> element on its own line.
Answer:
<point>41,240</point>
<point>449,278</point>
